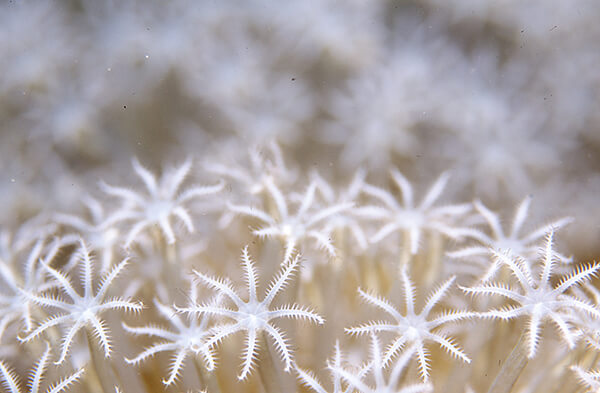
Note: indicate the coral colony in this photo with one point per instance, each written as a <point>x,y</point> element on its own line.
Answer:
<point>303,196</point>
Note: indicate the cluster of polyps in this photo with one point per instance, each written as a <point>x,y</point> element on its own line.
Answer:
<point>389,236</point>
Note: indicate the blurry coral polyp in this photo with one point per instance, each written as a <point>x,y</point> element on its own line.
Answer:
<point>303,196</point>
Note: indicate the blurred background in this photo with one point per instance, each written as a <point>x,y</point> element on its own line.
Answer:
<point>504,94</point>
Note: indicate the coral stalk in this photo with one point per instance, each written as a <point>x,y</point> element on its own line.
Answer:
<point>512,368</point>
